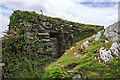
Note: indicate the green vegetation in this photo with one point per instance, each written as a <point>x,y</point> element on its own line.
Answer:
<point>20,57</point>
<point>20,52</point>
<point>87,66</point>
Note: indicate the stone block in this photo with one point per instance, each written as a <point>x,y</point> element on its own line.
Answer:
<point>43,34</point>
<point>47,23</point>
<point>45,40</point>
<point>50,25</point>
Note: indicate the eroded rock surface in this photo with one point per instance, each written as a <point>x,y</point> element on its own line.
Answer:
<point>115,49</point>
<point>97,37</point>
<point>112,32</point>
<point>105,55</point>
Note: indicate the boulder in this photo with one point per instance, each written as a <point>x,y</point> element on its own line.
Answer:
<point>105,55</point>
<point>114,48</point>
<point>112,32</point>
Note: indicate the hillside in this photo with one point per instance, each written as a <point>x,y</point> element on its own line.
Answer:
<point>34,40</point>
<point>96,57</point>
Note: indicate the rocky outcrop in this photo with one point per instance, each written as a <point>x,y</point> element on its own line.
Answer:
<point>112,35</point>
<point>105,55</point>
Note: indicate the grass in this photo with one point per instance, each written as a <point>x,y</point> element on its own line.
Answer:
<point>87,66</point>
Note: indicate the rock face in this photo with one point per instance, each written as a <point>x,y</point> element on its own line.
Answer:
<point>55,33</point>
<point>115,49</point>
<point>112,32</point>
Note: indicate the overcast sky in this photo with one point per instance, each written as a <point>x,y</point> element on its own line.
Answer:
<point>104,12</point>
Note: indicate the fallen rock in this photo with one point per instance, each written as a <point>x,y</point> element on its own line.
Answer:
<point>105,55</point>
<point>114,48</point>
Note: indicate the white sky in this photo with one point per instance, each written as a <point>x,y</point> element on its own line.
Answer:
<point>66,9</point>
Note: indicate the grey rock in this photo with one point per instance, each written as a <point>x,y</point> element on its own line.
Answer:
<point>44,24</point>
<point>30,38</point>
<point>106,41</point>
<point>105,55</point>
<point>50,25</point>
<point>47,23</point>
<point>21,23</point>
<point>47,27</point>
<point>46,37</point>
<point>114,48</point>
<point>97,37</point>
<point>71,26</point>
<point>42,28</point>
<point>56,28</point>
<point>112,32</point>
<point>85,44</point>
<point>43,34</point>
<point>77,77</point>
<point>44,19</point>
<point>45,40</point>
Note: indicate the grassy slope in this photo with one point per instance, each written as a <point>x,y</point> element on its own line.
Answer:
<point>68,65</point>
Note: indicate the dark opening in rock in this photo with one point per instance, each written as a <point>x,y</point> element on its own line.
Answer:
<point>54,34</point>
<point>55,40</point>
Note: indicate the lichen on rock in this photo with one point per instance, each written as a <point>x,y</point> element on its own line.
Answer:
<point>105,55</point>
